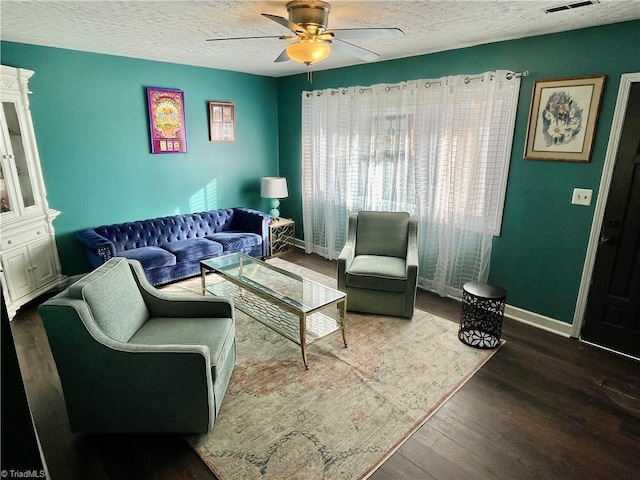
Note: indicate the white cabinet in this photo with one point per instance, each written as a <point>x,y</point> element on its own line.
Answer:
<point>28,255</point>
<point>29,267</point>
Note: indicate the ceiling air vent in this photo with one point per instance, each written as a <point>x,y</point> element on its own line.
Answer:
<point>570,6</point>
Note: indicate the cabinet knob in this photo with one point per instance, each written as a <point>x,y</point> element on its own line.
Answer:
<point>10,242</point>
<point>38,232</point>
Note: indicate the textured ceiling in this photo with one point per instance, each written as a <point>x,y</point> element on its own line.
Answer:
<point>175,31</point>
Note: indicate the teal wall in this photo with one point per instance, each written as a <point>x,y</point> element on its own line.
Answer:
<point>90,116</point>
<point>540,254</point>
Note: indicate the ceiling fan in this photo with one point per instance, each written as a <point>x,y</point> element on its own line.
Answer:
<point>308,21</point>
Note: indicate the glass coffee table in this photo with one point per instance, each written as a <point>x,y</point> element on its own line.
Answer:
<point>283,301</point>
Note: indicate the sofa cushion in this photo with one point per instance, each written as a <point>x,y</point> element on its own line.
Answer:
<point>382,233</point>
<point>114,299</point>
<point>150,257</point>
<point>377,273</point>
<point>193,249</point>
<point>236,241</point>
<point>216,333</point>
<point>216,220</point>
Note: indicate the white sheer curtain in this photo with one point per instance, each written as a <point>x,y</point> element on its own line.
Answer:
<point>438,149</point>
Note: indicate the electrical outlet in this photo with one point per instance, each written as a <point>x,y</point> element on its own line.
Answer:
<point>581,196</point>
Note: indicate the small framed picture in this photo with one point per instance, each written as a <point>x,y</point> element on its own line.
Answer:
<point>562,118</point>
<point>222,122</point>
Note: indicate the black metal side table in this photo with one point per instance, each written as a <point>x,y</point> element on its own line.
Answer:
<point>482,315</point>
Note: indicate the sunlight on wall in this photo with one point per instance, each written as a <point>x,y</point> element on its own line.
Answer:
<point>205,198</point>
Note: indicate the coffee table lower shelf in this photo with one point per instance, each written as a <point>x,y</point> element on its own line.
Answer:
<point>301,328</point>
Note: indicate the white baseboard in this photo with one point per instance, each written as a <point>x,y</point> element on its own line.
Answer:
<point>520,315</point>
<point>535,320</point>
<point>540,321</point>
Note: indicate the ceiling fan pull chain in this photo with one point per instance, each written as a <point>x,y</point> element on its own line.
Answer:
<point>309,74</point>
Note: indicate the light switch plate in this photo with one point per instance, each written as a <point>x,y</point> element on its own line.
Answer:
<point>581,196</point>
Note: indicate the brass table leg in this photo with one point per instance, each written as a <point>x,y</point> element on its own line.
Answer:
<point>202,279</point>
<point>342,306</point>
<point>303,339</point>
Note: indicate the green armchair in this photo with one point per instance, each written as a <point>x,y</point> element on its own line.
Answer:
<point>134,359</point>
<point>378,266</point>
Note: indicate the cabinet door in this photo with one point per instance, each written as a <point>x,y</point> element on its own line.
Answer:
<point>17,272</point>
<point>17,152</point>
<point>8,198</point>
<point>42,265</point>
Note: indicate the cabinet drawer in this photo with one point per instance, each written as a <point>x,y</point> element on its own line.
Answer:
<point>15,239</point>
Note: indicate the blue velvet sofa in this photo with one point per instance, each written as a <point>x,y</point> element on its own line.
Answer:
<point>170,248</point>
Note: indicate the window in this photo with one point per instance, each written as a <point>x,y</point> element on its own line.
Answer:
<point>439,152</point>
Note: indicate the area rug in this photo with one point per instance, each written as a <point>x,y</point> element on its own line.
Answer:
<point>352,409</point>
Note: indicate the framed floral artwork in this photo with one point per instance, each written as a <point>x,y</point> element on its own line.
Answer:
<point>166,120</point>
<point>222,122</point>
<point>562,118</point>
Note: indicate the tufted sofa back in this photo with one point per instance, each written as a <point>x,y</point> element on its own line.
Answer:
<point>158,231</point>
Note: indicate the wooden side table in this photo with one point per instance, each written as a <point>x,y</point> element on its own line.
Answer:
<point>281,234</point>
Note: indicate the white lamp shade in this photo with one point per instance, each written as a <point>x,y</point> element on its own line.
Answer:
<point>274,187</point>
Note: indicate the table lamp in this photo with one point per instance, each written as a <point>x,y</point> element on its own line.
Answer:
<point>274,188</point>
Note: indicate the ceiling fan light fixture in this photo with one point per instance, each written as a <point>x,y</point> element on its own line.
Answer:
<point>309,51</point>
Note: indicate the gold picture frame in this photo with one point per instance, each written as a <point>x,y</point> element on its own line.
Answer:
<point>222,122</point>
<point>562,118</point>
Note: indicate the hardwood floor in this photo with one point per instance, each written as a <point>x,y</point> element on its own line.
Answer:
<point>544,407</point>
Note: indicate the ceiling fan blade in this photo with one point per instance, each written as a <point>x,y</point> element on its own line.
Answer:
<point>367,33</point>
<point>325,36</point>
<point>294,27</point>
<point>281,37</point>
<point>340,46</point>
<point>283,57</point>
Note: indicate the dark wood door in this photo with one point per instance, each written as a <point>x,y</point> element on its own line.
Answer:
<point>612,317</point>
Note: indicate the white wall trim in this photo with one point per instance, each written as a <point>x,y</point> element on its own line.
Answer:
<point>539,321</point>
<point>605,183</point>
<point>297,242</point>
<point>524,316</point>
<point>533,319</point>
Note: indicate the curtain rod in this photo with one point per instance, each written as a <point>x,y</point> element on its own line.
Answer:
<point>509,76</point>
<point>468,80</point>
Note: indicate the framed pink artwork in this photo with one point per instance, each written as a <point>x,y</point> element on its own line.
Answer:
<point>166,120</point>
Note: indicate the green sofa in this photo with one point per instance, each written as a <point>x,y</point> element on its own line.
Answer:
<point>134,359</point>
